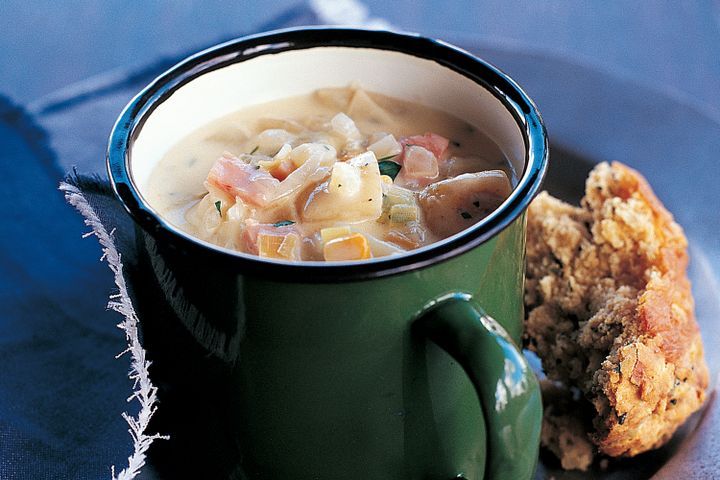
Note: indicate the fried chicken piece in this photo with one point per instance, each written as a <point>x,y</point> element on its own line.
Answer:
<point>610,312</point>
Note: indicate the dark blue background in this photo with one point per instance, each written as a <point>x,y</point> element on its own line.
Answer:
<point>67,68</point>
<point>670,45</point>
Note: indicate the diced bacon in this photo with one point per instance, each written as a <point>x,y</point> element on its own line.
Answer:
<point>419,167</point>
<point>421,158</point>
<point>250,235</point>
<point>437,144</point>
<point>419,162</point>
<point>239,179</point>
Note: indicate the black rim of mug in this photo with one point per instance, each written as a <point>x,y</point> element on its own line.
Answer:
<point>481,72</point>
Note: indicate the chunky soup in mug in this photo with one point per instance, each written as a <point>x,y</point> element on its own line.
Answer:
<point>340,174</point>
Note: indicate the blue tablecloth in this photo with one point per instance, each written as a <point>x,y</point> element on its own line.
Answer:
<point>61,388</point>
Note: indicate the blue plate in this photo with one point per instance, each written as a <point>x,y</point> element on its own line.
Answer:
<point>593,116</point>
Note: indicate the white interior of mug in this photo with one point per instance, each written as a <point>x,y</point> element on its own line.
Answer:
<point>296,72</point>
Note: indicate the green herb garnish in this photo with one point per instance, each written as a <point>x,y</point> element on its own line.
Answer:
<point>465,215</point>
<point>283,223</point>
<point>254,149</point>
<point>389,168</point>
<point>218,207</point>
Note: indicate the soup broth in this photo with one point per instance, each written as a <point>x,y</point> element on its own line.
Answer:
<point>340,174</point>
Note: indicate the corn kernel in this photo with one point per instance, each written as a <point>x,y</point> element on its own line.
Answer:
<point>351,247</point>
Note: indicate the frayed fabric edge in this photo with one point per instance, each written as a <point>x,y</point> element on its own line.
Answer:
<point>143,389</point>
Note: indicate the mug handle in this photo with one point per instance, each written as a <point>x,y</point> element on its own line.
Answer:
<point>507,387</point>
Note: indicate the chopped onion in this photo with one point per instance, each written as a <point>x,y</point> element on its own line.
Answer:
<point>386,147</point>
<point>283,123</point>
<point>283,153</point>
<point>345,127</point>
<point>326,153</point>
<point>310,171</point>
<point>271,140</point>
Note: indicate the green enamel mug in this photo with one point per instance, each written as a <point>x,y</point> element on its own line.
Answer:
<point>402,367</point>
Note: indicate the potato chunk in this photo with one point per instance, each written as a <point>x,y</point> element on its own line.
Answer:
<point>353,193</point>
<point>453,205</point>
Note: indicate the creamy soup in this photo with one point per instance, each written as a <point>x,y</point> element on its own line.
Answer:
<point>340,174</point>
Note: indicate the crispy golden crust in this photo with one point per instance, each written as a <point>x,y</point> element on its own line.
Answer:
<point>609,309</point>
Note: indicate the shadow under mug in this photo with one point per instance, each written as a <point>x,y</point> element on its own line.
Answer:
<point>397,367</point>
